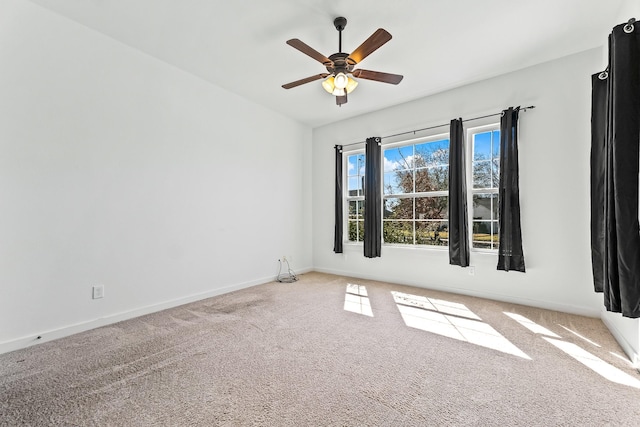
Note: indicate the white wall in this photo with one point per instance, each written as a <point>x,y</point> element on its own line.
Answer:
<point>120,170</point>
<point>627,333</point>
<point>554,187</point>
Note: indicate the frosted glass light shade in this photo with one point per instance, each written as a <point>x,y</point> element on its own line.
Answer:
<point>328,84</point>
<point>332,84</point>
<point>351,85</point>
<point>341,80</point>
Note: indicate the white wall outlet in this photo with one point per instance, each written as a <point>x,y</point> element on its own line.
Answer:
<point>98,291</point>
<point>472,270</point>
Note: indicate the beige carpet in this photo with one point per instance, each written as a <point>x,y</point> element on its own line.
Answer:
<point>292,355</point>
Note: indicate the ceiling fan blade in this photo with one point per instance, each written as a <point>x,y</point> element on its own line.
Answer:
<point>308,50</point>
<point>305,80</point>
<point>378,76</point>
<point>376,40</point>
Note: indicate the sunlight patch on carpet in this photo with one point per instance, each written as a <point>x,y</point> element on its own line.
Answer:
<point>356,300</point>
<point>452,320</point>
<point>623,358</point>
<point>598,365</point>
<point>531,325</point>
<point>580,336</point>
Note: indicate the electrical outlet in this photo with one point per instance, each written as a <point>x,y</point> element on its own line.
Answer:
<point>98,291</point>
<point>472,270</point>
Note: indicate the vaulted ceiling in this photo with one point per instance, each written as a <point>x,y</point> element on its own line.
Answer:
<point>437,45</point>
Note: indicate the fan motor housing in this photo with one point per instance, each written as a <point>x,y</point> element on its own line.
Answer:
<point>340,63</point>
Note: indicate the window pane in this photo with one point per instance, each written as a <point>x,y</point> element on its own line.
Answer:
<point>482,174</point>
<point>394,181</point>
<point>398,208</point>
<point>482,146</point>
<point>495,172</point>
<point>398,182</point>
<point>355,186</point>
<point>398,158</point>
<point>495,229</point>
<point>435,153</point>
<point>356,231</point>
<point>485,234</point>
<point>434,233</point>
<point>355,165</point>
<point>398,232</point>
<point>483,206</point>
<point>432,179</point>
<point>496,144</point>
<point>356,209</point>
<point>432,207</point>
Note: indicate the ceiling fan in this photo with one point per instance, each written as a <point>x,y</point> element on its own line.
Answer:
<point>340,66</point>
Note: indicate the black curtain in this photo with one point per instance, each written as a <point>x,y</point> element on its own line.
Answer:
<point>510,255</point>
<point>337,232</point>
<point>598,178</point>
<point>372,198</point>
<point>614,174</point>
<point>458,229</point>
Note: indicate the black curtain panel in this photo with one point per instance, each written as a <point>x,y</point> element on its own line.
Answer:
<point>598,178</point>
<point>458,226</point>
<point>373,198</point>
<point>337,232</point>
<point>510,255</point>
<point>614,174</point>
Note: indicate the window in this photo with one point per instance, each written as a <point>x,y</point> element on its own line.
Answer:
<point>485,175</point>
<point>355,197</point>
<point>415,190</point>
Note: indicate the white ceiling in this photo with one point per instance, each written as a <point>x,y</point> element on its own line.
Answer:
<point>437,45</point>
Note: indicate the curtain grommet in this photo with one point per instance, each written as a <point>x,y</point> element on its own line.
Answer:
<point>629,27</point>
<point>603,75</point>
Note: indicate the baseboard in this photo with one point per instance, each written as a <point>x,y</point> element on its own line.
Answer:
<point>633,355</point>
<point>65,331</point>
<point>565,308</point>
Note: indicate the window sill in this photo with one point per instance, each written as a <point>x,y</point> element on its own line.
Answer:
<point>485,251</point>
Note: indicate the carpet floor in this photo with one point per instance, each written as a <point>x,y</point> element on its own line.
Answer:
<point>328,351</point>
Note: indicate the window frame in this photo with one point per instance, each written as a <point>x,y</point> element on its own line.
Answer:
<point>471,191</point>
<point>414,195</point>
<point>348,198</point>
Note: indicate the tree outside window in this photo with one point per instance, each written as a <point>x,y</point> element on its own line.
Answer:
<point>416,183</point>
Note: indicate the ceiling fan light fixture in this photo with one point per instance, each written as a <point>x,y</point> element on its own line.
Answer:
<point>341,80</point>
<point>329,85</point>
<point>351,85</point>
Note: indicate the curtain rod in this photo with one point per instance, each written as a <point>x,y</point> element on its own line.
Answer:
<point>531,107</point>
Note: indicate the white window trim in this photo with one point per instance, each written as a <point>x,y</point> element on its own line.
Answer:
<point>401,143</point>
<point>345,194</point>
<point>469,177</point>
